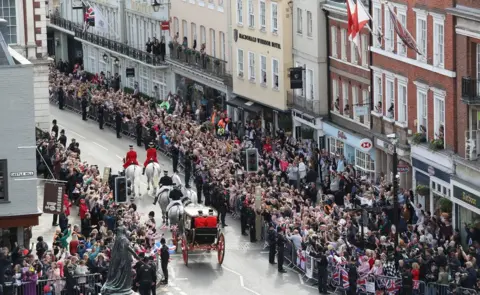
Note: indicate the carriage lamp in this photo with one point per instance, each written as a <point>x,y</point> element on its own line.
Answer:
<point>116,61</point>
<point>156,5</point>
<point>105,57</point>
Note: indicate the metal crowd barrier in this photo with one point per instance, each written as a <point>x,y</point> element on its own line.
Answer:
<point>86,284</point>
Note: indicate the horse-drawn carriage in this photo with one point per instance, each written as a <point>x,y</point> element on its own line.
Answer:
<point>200,231</point>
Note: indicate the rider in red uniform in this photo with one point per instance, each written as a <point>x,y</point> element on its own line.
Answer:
<point>151,156</point>
<point>131,158</point>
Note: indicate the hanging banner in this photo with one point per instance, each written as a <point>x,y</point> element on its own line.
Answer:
<point>310,262</point>
<point>53,198</point>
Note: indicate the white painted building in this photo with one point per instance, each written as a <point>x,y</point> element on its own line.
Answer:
<point>310,103</point>
<point>26,32</point>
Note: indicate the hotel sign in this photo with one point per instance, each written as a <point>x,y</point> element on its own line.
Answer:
<point>237,35</point>
<point>466,196</point>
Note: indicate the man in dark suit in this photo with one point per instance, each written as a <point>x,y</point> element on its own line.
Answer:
<point>101,113</point>
<point>118,123</point>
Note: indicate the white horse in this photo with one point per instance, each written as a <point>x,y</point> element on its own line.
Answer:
<point>134,172</point>
<point>191,194</point>
<point>163,201</point>
<point>176,179</point>
<point>152,171</point>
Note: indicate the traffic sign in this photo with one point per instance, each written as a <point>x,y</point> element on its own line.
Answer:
<point>366,144</point>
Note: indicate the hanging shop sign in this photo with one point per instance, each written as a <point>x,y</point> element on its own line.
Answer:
<point>366,144</point>
<point>402,167</point>
<point>165,25</point>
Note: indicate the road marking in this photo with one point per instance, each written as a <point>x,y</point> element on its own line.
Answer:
<point>177,288</point>
<point>99,145</point>
<point>241,280</point>
<point>119,157</point>
<point>182,293</point>
<point>181,279</point>
<point>79,135</point>
<point>264,252</point>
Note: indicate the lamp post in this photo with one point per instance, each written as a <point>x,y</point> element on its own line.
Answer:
<point>396,208</point>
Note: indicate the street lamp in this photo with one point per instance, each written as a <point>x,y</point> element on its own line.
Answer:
<point>396,220</point>
<point>116,60</point>
<point>105,57</point>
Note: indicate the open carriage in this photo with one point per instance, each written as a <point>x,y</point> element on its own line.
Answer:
<point>201,232</point>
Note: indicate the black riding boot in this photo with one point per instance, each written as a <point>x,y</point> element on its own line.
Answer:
<point>143,173</point>
<point>155,200</point>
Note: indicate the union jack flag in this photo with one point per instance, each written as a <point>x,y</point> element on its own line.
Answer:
<point>416,285</point>
<point>362,285</point>
<point>393,285</point>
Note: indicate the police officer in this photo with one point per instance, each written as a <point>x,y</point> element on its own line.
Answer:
<point>281,249</point>
<point>84,107</point>
<point>164,181</point>
<point>62,139</point>
<point>352,277</point>
<point>101,114</point>
<point>176,194</point>
<point>322,273</point>
<point>61,97</point>
<point>118,123</point>
<point>272,245</point>
<point>222,206</point>
<point>175,156</point>
<point>199,184</point>
<point>407,281</point>
<point>164,258</point>
<point>188,168</point>
<point>138,129</point>
<point>146,278</point>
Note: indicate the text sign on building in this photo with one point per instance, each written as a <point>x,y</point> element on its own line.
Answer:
<point>22,174</point>
<point>466,196</point>
<point>258,40</point>
<point>53,198</point>
<point>130,72</point>
<point>366,144</point>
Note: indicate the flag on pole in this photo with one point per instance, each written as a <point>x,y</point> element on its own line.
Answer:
<point>89,18</point>
<point>358,18</point>
<point>100,21</point>
<point>402,32</point>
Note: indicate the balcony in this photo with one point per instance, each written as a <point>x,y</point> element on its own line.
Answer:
<point>200,62</point>
<point>118,47</point>
<point>470,91</point>
<point>308,106</point>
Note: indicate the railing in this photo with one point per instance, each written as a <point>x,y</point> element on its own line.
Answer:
<point>199,61</point>
<point>470,91</point>
<point>303,104</point>
<point>118,47</point>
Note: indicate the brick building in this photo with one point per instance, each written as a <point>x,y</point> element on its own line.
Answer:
<point>349,95</point>
<point>465,182</point>
<point>414,95</point>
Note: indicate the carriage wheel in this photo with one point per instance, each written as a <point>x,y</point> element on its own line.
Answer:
<point>221,248</point>
<point>185,250</point>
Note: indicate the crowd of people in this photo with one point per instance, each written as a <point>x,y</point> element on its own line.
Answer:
<point>311,197</point>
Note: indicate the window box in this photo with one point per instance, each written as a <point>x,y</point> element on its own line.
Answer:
<point>422,190</point>
<point>419,138</point>
<point>436,144</point>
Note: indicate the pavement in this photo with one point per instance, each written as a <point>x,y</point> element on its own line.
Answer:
<point>245,270</point>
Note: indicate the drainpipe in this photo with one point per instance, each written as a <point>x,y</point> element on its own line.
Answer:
<point>370,23</point>
<point>329,87</point>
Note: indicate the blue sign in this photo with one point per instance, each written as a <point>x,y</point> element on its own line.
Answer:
<point>346,137</point>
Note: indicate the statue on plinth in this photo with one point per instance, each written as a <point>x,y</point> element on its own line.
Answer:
<point>119,277</point>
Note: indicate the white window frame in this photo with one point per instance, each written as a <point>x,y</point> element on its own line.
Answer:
<point>203,35</point>
<point>240,12</point>
<point>274,17</point>
<point>310,94</point>
<point>366,103</point>
<point>263,70</point>
<point>299,21</point>
<point>334,38</point>
<point>422,106</point>
<point>251,66</point>
<point>389,32</point>
<point>402,17</point>
<point>309,24</point>
<point>213,43</point>
<point>338,146</point>
<point>343,44</point>
<point>300,91</point>
<point>353,53</point>
<point>223,51</point>
<point>251,14</point>
<point>262,11</point>
<point>193,28</point>
<point>364,42</point>
<point>335,94</point>
<point>378,92</point>
<point>144,75</point>
<point>184,29</point>
<point>176,27</point>
<point>240,63</point>
<point>438,112</point>
<point>377,23</point>
<point>402,106</point>
<point>275,73</point>
<point>438,40</point>
<point>368,167</point>
<point>355,102</point>
<point>422,35</point>
<point>345,98</point>
<point>389,95</point>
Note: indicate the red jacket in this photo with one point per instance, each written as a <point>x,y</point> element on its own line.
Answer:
<point>151,155</point>
<point>131,158</point>
<point>83,210</point>
<point>66,205</point>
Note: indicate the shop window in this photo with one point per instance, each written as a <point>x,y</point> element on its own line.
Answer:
<point>364,164</point>
<point>336,147</point>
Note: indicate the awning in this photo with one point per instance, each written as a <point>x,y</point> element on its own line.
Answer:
<point>244,104</point>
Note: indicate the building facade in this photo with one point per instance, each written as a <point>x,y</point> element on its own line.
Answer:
<point>262,50</point>
<point>464,183</point>
<point>347,130</point>
<point>26,33</point>
<point>310,103</point>
<point>18,182</point>
<point>411,92</point>
<point>200,52</point>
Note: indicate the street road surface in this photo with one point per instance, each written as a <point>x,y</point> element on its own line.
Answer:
<point>245,270</point>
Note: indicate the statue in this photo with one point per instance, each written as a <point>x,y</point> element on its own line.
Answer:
<point>119,277</point>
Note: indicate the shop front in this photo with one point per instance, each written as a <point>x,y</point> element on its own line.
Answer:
<point>197,94</point>
<point>467,206</point>
<point>357,150</point>
<point>307,129</point>
<point>384,168</point>
<point>432,185</point>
